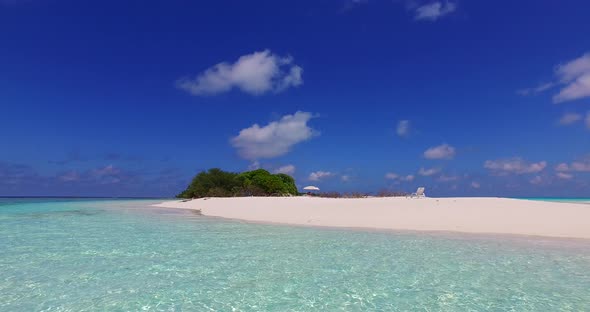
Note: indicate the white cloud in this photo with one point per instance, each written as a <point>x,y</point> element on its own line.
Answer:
<point>403,128</point>
<point>514,166</point>
<point>434,10</point>
<point>564,176</point>
<point>275,139</point>
<point>428,172</point>
<point>255,73</point>
<point>391,176</point>
<point>575,75</point>
<point>574,68</point>
<point>319,175</point>
<point>254,165</point>
<point>569,118</point>
<point>475,185</point>
<point>582,165</point>
<point>538,89</point>
<point>287,169</point>
<point>408,178</point>
<point>573,78</point>
<point>396,177</point>
<point>562,167</point>
<point>580,88</point>
<point>444,151</point>
<point>345,178</point>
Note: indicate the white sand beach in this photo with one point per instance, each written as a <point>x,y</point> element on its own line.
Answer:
<point>469,215</point>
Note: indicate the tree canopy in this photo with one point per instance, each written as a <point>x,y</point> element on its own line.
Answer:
<point>218,183</point>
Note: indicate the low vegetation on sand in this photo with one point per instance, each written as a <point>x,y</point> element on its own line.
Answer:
<point>218,183</point>
<point>382,193</point>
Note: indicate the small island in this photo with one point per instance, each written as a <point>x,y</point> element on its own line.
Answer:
<point>218,183</point>
<point>260,196</point>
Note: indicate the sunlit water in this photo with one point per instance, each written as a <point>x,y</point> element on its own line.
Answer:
<point>125,256</point>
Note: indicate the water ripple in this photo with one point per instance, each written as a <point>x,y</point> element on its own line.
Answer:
<point>92,257</point>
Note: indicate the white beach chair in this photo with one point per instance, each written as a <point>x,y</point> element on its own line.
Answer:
<point>419,193</point>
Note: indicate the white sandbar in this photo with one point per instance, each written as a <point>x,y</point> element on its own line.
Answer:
<point>469,215</point>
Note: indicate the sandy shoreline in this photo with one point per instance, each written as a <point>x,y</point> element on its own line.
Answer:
<point>467,215</point>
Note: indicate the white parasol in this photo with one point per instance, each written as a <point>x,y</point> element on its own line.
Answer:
<point>311,188</point>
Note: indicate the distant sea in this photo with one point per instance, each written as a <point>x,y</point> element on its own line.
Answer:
<point>124,255</point>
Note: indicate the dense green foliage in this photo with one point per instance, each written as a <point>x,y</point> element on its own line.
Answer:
<point>218,183</point>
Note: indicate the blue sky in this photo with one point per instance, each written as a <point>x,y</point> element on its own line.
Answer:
<point>130,98</point>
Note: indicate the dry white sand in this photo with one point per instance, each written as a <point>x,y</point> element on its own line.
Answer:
<point>470,215</point>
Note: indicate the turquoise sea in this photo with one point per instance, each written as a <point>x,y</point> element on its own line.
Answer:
<point>582,200</point>
<point>122,255</point>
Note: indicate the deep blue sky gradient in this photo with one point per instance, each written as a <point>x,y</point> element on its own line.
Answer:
<point>90,84</point>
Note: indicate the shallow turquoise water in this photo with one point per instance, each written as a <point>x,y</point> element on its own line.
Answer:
<point>560,199</point>
<point>123,256</point>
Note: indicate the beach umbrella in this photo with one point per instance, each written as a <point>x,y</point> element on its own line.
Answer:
<point>311,188</point>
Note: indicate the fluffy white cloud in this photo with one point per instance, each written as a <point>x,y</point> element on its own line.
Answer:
<point>573,78</point>
<point>574,68</point>
<point>577,89</point>
<point>434,10</point>
<point>287,169</point>
<point>255,73</point>
<point>275,139</point>
<point>403,128</point>
<point>569,118</point>
<point>428,172</point>
<point>564,176</point>
<point>575,75</point>
<point>345,178</point>
<point>444,151</point>
<point>582,165</point>
<point>514,165</point>
<point>475,185</point>
<point>319,175</point>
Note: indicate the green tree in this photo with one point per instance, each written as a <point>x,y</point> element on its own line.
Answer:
<point>218,183</point>
<point>289,184</point>
<point>221,182</point>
